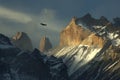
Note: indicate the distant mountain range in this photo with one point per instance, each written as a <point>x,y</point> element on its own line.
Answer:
<point>89,49</point>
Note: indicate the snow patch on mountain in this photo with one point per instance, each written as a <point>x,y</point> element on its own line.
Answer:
<point>102,31</point>
<point>77,56</point>
<point>114,37</point>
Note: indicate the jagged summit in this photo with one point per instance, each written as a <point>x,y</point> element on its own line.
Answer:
<point>88,20</point>
<point>73,34</point>
<point>91,48</point>
<point>22,41</point>
<point>87,16</point>
<point>18,35</point>
<point>101,27</point>
<point>45,44</point>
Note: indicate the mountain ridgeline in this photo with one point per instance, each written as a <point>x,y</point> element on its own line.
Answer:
<point>89,49</point>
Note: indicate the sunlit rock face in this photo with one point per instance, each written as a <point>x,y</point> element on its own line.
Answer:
<point>73,34</point>
<point>45,44</point>
<point>94,40</point>
<point>22,41</point>
<point>76,56</point>
<point>82,45</point>
<point>96,56</point>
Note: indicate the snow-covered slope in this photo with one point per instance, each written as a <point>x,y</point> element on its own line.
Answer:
<point>77,56</point>
<point>114,37</point>
<point>96,56</point>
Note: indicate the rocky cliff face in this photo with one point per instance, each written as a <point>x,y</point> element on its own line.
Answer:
<point>93,56</point>
<point>73,34</point>
<point>45,44</point>
<point>94,40</point>
<point>22,41</point>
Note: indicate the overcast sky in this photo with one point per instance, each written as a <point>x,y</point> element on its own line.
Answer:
<point>26,15</point>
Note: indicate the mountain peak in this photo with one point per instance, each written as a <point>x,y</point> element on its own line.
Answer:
<point>88,15</point>
<point>90,21</point>
<point>45,44</point>
<point>18,35</point>
<point>73,34</point>
<point>22,41</point>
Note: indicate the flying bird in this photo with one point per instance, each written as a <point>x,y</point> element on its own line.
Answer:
<point>43,24</point>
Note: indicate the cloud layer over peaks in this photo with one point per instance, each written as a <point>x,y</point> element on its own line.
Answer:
<point>14,15</point>
<point>14,21</point>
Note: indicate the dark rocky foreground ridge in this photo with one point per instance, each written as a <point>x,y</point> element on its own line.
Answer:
<point>16,64</point>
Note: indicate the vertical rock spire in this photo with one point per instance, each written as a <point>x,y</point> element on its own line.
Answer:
<point>45,44</point>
